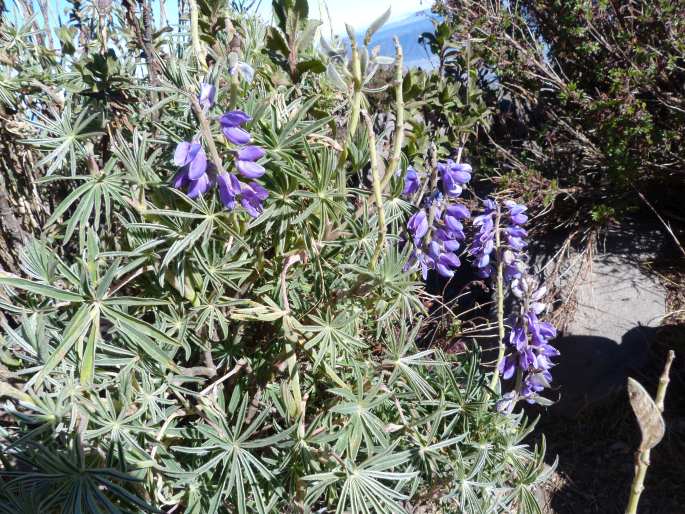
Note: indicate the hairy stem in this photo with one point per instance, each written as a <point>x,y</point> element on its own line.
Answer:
<point>206,133</point>
<point>377,191</point>
<point>353,121</point>
<point>642,457</point>
<point>399,117</point>
<point>198,47</point>
<point>500,303</point>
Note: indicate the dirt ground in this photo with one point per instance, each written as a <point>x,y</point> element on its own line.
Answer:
<point>596,448</point>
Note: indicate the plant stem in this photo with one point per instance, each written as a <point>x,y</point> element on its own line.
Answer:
<point>377,191</point>
<point>642,456</point>
<point>399,117</point>
<point>198,47</point>
<point>206,133</point>
<point>500,302</point>
<point>356,102</point>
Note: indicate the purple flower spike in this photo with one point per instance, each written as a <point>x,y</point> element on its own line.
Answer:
<point>250,169</point>
<point>207,95</point>
<point>411,182</point>
<point>250,153</point>
<point>236,135</point>
<point>229,189</point>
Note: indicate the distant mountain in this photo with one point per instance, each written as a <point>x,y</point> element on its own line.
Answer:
<point>408,29</point>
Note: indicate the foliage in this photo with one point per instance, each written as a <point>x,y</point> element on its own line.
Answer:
<point>165,353</point>
<point>584,93</point>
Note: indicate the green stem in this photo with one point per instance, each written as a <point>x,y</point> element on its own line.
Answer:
<point>294,376</point>
<point>206,131</point>
<point>399,117</point>
<point>198,47</point>
<point>235,90</point>
<point>500,303</point>
<point>643,456</point>
<point>356,102</point>
<point>377,191</point>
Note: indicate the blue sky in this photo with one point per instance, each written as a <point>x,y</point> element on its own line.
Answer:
<point>358,13</point>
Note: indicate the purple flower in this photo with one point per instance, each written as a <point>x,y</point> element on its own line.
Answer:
<point>236,135</point>
<point>516,212</point>
<point>207,95</point>
<point>411,182</point>
<point>251,197</point>
<point>229,189</point>
<point>250,153</point>
<point>245,161</point>
<point>454,177</point>
<point>446,240</point>
<point>234,119</point>
<point>425,262</point>
<point>193,173</point>
<point>250,169</point>
<point>484,240</point>
<point>231,122</point>
<point>459,211</point>
<point>446,264</point>
<point>192,156</point>
<point>418,226</point>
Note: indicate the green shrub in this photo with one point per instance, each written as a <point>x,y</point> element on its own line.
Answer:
<point>164,353</point>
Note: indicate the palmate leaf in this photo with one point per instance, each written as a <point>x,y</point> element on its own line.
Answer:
<point>106,189</point>
<point>95,302</point>
<point>358,409</point>
<point>45,290</point>
<point>284,134</point>
<point>230,456</point>
<point>332,338</point>
<point>66,481</point>
<point>63,137</point>
<point>364,488</point>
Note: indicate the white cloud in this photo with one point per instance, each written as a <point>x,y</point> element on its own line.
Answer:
<point>358,13</point>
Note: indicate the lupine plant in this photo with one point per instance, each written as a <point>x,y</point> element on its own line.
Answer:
<point>498,252</point>
<point>221,313</point>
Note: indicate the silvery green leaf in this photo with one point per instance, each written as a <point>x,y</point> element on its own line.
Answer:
<point>363,59</point>
<point>371,73</point>
<point>307,36</point>
<point>327,48</point>
<point>377,24</point>
<point>383,60</point>
<point>351,32</point>
<point>335,78</point>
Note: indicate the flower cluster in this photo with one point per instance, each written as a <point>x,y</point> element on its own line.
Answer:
<point>514,263</point>
<point>197,175</point>
<point>437,229</point>
<point>484,240</point>
<point>529,341</point>
<point>530,353</point>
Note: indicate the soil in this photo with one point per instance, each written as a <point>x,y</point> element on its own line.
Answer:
<point>596,448</point>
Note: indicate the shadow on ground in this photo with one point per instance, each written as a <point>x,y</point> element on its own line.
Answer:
<point>594,433</point>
